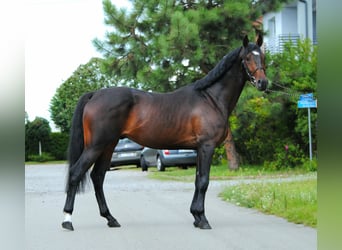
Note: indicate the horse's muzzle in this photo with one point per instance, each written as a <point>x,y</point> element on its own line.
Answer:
<point>261,84</point>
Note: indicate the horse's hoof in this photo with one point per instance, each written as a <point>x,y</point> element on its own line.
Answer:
<point>113,223</point>
<point>67,225</point>
<point>203,225</point>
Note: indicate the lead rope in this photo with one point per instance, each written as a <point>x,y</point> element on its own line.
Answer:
<point>290,93</point>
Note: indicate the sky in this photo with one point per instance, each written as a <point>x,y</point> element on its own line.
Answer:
<point>58,38</point>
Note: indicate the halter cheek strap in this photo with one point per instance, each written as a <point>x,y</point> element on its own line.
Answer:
<point>251,74</point>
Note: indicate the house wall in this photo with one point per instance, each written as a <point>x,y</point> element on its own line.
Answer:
<point>294,21</point>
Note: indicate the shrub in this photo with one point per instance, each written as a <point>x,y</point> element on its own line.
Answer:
<point>58,145</point>
<point>310,166</point>
<point>41,158</point>
<point>288,156</point>
<point>219,155</point>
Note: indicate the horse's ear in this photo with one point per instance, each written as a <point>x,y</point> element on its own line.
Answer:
<point>245,41</point>
<point>260,40</point>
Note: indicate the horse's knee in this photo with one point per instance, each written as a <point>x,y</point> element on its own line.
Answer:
<point>203,184</point>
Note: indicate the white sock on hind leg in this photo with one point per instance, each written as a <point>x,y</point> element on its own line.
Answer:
<point>67,217</point>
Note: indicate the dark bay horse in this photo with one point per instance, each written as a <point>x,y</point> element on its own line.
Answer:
<point>192,117</point>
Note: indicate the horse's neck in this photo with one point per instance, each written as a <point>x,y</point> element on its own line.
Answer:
<point>227,90</point>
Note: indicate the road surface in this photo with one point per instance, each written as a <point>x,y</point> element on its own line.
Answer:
<point>154,215</point>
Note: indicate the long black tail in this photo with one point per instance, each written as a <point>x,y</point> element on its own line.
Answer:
<point>76,141</point>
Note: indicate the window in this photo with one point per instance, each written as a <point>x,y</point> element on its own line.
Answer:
<point>272,27</point>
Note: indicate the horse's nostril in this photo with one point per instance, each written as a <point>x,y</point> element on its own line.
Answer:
<point>262,84</point>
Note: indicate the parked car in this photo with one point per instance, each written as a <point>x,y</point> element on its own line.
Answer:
<point>126,152</point>
<point>165,158</point>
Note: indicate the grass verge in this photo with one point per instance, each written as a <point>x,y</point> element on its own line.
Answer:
<point>221,172</point>
<point>296,201</point>
<point>45,163</point>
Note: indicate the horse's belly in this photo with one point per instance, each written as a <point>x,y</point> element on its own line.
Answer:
<point>160,131</point>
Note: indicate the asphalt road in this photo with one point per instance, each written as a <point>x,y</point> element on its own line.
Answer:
<point>153,214</point>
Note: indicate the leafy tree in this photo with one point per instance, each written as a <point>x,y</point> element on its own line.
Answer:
<point>296,71</point>
<point>35,131</point>
<point>268,127</point>
<point>86,78</point>
<point>163,45</point>
<point>296,67</point>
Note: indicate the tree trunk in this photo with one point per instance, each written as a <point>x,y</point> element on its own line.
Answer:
<point>232,155</point>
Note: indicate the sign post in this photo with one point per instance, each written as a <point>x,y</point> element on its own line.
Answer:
<point>307,101</point>
<point>309,123</point>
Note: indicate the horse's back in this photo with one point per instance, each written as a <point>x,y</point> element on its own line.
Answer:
<point>164,120</point>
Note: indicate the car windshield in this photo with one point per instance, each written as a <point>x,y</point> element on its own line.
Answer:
<point>126,145</point>
<point>124,141</point>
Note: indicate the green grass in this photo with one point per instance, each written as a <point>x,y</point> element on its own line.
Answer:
<point>296,201</point>
<point>221,172</point>
<point>47,162</point>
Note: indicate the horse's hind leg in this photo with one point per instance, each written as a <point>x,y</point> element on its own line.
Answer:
<point>76,174</point>
<point>97,176</point>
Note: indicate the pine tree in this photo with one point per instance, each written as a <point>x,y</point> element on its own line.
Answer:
<point>163,45</point>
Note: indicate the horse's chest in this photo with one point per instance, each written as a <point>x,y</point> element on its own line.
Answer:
<point>208,126</point>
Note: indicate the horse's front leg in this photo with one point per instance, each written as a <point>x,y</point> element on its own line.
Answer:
<point>204,157</point>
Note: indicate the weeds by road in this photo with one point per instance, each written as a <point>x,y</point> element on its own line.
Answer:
<point>46,163</point>
<point>221,172</point>
<point>296,201</point>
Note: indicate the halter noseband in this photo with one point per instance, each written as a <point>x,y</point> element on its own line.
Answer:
<point>251,74</point>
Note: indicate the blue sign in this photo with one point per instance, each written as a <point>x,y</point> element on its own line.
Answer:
<point>307,103</point>
<point>306,96</point>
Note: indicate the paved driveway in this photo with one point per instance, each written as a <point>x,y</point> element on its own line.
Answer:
<point>154,215</point>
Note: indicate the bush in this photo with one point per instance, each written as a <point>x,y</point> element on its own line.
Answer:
<point>58,145</point>
<point>310,166</point>
<point>289,156</point>
<point>41,158</point>
<point>219,155</point>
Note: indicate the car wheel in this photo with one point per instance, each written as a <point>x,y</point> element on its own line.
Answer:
<point>160,165</point>
<point>143,164</point>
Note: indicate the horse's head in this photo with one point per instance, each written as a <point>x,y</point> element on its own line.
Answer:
<point>253,62</point>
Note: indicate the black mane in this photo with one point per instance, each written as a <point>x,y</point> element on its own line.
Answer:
<point>223,66</point>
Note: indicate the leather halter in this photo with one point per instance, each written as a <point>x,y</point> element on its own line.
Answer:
<point>251,74</point>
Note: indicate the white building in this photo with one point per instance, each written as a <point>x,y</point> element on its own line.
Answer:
<point>296,20</point>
